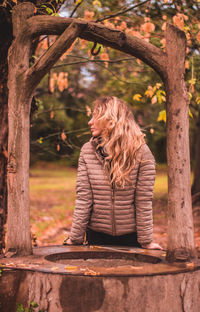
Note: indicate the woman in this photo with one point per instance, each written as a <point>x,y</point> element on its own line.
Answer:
<point>115,181</point>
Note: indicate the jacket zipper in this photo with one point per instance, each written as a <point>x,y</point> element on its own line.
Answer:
<point>113,212</point>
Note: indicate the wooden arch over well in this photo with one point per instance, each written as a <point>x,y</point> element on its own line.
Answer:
<point>23,80</point>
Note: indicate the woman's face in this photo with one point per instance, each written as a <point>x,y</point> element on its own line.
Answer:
<point>95,126</point>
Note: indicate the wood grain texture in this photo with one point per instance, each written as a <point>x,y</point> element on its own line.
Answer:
<point>180,219</point>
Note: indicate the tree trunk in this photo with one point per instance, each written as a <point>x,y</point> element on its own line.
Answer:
<point>5,41</point>
<point>19,102</point>
<point>3,151</point>
<point>196,182</point>
<point>180,220</point>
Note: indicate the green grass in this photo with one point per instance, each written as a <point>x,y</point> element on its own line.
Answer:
<point>160,187</point>
<point>52,197</point>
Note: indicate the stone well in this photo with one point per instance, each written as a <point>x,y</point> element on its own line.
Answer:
<point>100,279</point>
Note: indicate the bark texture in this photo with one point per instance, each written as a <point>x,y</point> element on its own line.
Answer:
<point>57,293</point>
<point>180,220</point>
<point>5,41</point>
<point>18,237</point>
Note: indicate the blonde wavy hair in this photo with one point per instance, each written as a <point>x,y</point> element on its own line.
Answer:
<point>121,137</point>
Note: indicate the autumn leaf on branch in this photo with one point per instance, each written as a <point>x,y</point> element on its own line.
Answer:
<point>63,136</point>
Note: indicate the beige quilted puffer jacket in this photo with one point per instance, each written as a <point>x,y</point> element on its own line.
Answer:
<point>114,211</point>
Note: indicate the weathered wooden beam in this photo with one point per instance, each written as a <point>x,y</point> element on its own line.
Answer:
<point>113,38</point>
<point>180,220</point>
<point>52,55</point>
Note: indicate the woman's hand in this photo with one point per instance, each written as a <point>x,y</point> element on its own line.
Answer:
<point>152,246</point>
<point>67,241</point>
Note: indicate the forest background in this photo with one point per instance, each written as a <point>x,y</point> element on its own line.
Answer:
<point>62,104</point>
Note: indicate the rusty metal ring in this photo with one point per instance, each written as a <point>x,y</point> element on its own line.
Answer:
<point>93,48</point>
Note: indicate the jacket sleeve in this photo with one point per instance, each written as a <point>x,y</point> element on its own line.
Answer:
<point>83,203</point>
<point>144,196</point>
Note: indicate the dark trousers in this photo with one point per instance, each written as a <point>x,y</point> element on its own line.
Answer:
<point>99,238</point>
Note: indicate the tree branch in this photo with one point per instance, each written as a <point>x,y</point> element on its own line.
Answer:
<point>76,7</point>
<point>114,75</point>
<point>50,57</point>
<point>148,53</point>
<point>99,63</point>
<point>120,12</point>
<point>87,60</point>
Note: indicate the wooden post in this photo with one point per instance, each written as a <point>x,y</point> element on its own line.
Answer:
<point>18,235</point>
<point>180,244</point>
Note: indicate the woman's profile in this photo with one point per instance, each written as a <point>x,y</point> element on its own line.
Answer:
<point>116,174</point>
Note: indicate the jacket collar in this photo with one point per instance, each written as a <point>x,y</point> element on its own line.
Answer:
<point>95,141</point>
